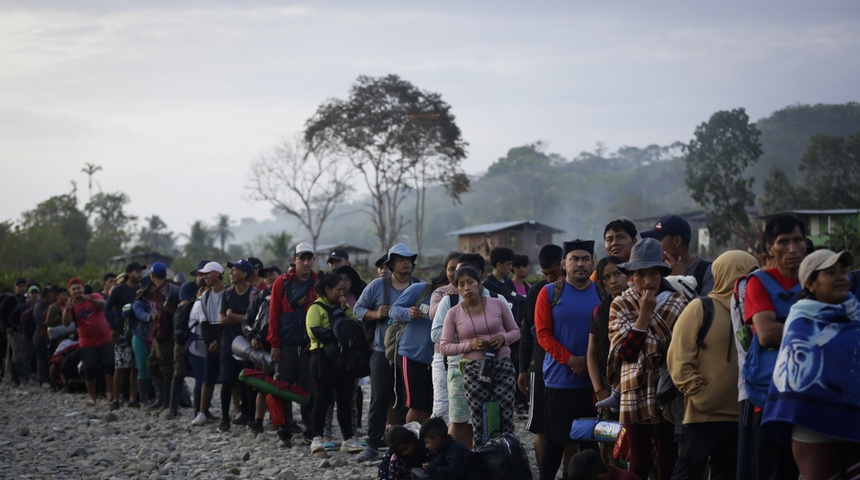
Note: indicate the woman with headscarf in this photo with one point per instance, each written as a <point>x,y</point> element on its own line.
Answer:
<point>707,374</point>
<point>640,329</point>
<point>814,400</point>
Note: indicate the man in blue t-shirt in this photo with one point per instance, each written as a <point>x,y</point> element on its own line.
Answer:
<point>562,321</point>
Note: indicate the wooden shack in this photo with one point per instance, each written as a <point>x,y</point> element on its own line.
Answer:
<point>525,237</point>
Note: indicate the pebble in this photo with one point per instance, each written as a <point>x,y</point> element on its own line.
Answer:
<point>73,440</point>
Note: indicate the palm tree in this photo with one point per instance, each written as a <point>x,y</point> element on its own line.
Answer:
<point>155,235</point>
<point>279,246</point>
<point>201,240</point>
<point>222,230</point>
<point>90,169</point>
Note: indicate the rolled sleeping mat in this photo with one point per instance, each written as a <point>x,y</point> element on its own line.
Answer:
<point>594,430</point>
<point>242,350</point>
<point>267,384</point>
<point>61,331</point>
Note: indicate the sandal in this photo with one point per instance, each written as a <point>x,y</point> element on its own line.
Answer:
<point>330,446</point>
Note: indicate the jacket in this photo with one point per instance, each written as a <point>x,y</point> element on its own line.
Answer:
<point>287,320</point>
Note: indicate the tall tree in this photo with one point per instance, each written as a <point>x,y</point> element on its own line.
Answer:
<point>830,170</point>
<point>528,178</point>
<point>201,242</point>
<point>112,225</point>
<point>779,194</point>
<point>222,230</point>
<point>386,128</point>
<point>155,235</point>
<point>278,245</point>
<point>56,231</point>
<point>302,183</point>
<point>723,148</point>
<point>90,169</point>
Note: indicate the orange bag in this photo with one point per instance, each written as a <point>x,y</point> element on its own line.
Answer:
<point>276,409</point>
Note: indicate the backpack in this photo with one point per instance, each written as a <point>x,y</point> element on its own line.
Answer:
<point>760,362</point>
<point>349,351</point>
<point>699,274</point>
<point>370,327</point>
<point>395,330</point>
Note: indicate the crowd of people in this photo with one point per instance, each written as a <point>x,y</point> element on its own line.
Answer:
<point>746,367</point>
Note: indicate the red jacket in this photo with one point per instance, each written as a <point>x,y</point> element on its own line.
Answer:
<point>280,305</point>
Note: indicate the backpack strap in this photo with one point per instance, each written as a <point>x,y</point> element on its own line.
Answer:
<point>699,273</point>
<point>386,289</point>
<point>557,287</point>
<point>707,321</point>
<point>425,292</point>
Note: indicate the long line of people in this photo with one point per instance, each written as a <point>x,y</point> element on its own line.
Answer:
<point>763,353</point>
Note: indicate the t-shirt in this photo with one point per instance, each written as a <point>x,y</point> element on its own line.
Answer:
<point>210,304</point>
<point>120,296</point>
<point>93,330</point>
<point>238,304</point>
<point>563,331</point>
<point>757,299</point>
<point>460,328</point>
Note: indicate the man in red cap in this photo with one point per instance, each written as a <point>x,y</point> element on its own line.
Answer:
<point>87,311</point>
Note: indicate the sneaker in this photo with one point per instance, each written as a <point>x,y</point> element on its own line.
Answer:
<point>240,419</point>
<point>210,417</point>
<point>369,453</point>
<point>317,445</point>
<point>46,386</point>
<point>134,404</point>
<point>91,402</point>
<point>353,445</point>
<point>307,437</point>
<point>256,427</point>
<point>285,442</point>
<point>114,405</point>
<point>200,419</point>
<point>224,427</point>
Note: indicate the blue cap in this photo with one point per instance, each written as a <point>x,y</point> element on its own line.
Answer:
<point>200,265</point>
<point>187,292</point>
<point>242,265</point>
<point>159,269</point>
<point>669,225</point>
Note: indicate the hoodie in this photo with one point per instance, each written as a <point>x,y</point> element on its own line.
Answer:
<point>708,377</point>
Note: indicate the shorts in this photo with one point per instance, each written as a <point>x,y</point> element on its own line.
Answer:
<point>566,405</point>
<point>123,355</point>
<point>537,391</point>
<point>417,384</point>
<point>458,408</point>
<point>97,359</point>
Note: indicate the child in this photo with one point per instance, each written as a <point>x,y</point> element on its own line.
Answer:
<point>406,454</point>
<point>587,465</point>
<point>449,460</point>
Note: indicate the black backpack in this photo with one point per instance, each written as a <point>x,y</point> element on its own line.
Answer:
<point>349,351</point>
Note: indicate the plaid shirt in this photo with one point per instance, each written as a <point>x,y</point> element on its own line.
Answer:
<point>634,356</point>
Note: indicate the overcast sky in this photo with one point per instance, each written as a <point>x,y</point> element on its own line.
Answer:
<point>174,99</point>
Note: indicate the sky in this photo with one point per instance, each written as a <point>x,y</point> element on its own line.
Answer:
<point>175,99</point>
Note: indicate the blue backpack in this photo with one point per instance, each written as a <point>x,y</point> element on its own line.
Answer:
<point>760,362</point>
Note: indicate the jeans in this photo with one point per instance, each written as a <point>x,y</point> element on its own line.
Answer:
<point>141,357</point>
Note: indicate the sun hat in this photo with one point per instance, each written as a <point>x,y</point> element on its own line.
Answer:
<point>647,253</point>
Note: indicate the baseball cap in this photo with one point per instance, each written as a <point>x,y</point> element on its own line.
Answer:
<point>20,281</point>
<point>200,265</point>
<point>159,269</point>
<point>304,247</point>
<point>337,255</point>
<point>822,260</point>
<point>211,267</point>
<point>669,225</point>
<point>33,288</point>
<point>381,261</point>
<point>243,266</point>
<point>134,266</point>
<point>270,268</point>
<point>256,263</point>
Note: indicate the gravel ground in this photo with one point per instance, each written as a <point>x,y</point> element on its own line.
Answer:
<point>51,434</point>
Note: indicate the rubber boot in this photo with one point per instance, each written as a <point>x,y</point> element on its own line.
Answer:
<point>143,389</point>
<point>175,396</point>
<point>161,394</point>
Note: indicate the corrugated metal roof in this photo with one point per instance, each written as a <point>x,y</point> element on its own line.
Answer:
<point>495,227</point>
<point>844,211</point>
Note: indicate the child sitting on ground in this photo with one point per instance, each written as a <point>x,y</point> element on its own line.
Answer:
<point>587,465</point>
<point>405,457</point>
<point>449,460</point>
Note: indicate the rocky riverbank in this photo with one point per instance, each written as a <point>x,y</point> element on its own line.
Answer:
<point>52,434</point>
